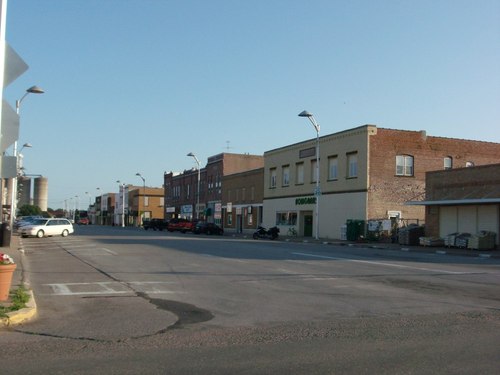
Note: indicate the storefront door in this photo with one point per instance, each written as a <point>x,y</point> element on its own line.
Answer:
<point>308,225</point>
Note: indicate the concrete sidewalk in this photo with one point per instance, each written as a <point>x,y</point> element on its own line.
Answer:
<point>18,279</point>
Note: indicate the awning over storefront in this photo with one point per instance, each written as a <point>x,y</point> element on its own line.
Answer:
<point>453,202</point>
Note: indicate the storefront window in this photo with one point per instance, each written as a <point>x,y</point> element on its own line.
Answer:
<point>286,218</point>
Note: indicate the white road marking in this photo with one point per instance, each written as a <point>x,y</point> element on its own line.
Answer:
<point>109,251</point>
<point>384,264</point>
<point>106,288</point>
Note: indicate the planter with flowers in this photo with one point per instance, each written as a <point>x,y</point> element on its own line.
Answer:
<point>7,267</point>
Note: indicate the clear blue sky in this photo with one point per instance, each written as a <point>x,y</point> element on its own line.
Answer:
<point>134,85</point>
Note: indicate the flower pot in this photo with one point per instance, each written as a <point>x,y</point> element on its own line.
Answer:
<point>6,272</point>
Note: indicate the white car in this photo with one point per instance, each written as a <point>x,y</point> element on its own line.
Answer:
<point>47,227</point>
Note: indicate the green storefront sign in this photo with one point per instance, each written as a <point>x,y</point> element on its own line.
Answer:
<point>303,201</point>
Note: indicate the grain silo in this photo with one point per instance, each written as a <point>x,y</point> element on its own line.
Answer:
<point>41,192</point>
<point>23,191</point>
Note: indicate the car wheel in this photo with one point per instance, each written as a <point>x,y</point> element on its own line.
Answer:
<point>40,234</point>
<point>65,233</point>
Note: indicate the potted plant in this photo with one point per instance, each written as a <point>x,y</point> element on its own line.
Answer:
<point>7,267</point>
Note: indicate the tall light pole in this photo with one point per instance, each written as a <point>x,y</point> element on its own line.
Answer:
<point>198,190</point>
<point>77,204</point>
<point>13,202</point>
<point>143,191</point>
<point>71,211</point>
<point>100,207</point>
<point>122,187</point>
<point>90,198</point>
<point>317,191</point>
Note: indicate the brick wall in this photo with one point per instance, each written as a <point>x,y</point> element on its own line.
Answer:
<point>465,183</point>
<point>389,192</point>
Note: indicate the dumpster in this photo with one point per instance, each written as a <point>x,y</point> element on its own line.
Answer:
<point>355,229</point>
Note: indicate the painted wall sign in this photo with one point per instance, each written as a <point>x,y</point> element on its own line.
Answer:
<point>303,201</point>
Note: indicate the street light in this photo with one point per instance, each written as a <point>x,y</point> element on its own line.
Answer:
<point>317,191</point>
<point>100,206</point>
<point>19,165</point>
<point>122,186</point>
<point>13,203</point>
<point>77,204</point>
<point>90,198</point>
<point>198,192</point>
<point>143,192</point>
<point>31,90</point>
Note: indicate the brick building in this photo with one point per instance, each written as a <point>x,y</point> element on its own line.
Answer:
<point>366,173</point>
<point>242,196</point>
<point>181,195</point>
<point>465,200</point>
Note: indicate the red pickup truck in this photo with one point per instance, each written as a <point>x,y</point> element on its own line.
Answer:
<point>181,225</point>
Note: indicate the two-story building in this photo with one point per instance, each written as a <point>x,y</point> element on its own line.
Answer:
<point>242,196</point>
<point>182,198</point>
<point>134,204</point>
<point>366,173</point>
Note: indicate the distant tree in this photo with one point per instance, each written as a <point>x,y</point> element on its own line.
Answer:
<point>29,210</point>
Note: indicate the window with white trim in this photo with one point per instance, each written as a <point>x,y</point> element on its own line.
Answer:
<point>333,164</point>
<point>352,165</point>
<point>404,165</point>
<point>299,173</point>
<point>448,162</point>
<point>272,181</point>
<point>286,175</point>
<point>313,170</point>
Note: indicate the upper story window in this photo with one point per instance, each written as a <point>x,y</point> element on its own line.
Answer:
<point>272,176</point>
<point>404,165</point>
<point>333,163</point>
<point>299,173</point>
<point>448,162</point>
<point>313,170</point>
<point>286,175</point>
<point>352,165</point>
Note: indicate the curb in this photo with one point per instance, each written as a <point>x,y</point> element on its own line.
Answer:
<point>495,254</point>
<point>22,315</point>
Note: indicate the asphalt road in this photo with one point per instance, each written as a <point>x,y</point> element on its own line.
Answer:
<point>120,300</point>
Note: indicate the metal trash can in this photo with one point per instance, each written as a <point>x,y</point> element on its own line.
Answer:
<point>5,234</point>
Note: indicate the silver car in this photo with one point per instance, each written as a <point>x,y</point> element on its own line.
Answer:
<point>47,227</point>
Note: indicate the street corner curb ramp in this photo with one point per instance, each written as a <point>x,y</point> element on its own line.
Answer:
<point>21,316</point>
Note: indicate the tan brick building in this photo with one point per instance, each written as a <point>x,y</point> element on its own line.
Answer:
<point>366,173</point>
<point>144,204</point>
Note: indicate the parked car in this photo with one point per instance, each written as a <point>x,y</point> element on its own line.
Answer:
<point>207,228</point>
<point>83,221</point>
<point>181,225</point>
<point>155,224</point>
<point>24,220</point>
<point>47,227</point>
